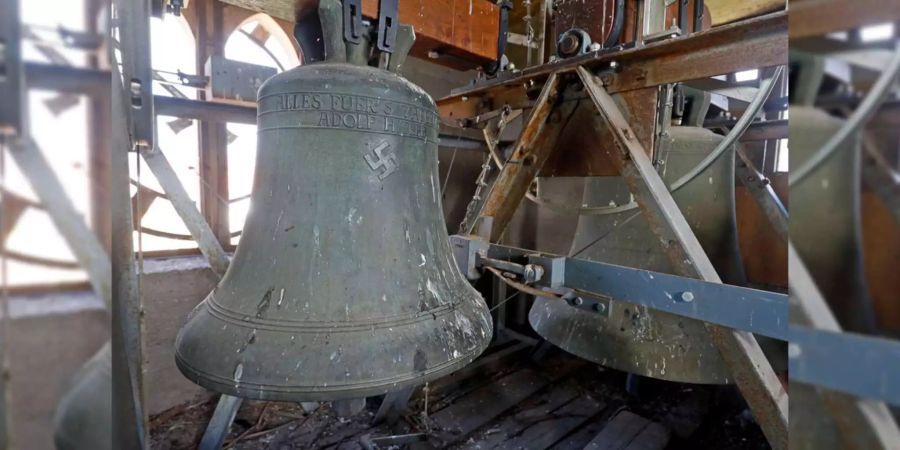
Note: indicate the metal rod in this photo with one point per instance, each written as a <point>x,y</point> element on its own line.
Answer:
<point>746,118</point>
<point>866,109</point>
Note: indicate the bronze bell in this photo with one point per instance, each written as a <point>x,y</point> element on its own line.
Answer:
<point>635,339</point>
<point>83,417</point>
<point>343,285</point>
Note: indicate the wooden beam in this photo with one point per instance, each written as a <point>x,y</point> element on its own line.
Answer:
<point>746,362</point>
<point>749,44</point>
<point>534,146</point>
<point>810,18</point>
<point>727,11</point>
<point>462,29</point>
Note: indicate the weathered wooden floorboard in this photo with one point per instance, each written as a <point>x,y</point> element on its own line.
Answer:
<point>563,421</point>
<point>467,414</point>
<point>533,410</point>
<point>629,431</point>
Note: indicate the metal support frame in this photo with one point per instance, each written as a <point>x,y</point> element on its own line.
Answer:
<point>739,308</point>
<point>748,365</point>
<point>744,45</point>
<point>864,424</point>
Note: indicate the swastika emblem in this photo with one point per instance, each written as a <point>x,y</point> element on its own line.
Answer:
<point>382,158</point>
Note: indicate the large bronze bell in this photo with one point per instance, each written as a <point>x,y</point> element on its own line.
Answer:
<point>343,285</point>
<point>83,416</point>
<point>634,339</point>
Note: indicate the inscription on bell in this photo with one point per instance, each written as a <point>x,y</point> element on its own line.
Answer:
<point>355,112</point>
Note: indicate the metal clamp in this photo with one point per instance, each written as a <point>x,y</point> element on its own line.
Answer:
<point>388,23</point>
<point>353,27</point>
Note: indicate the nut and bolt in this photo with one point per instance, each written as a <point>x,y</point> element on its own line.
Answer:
<point>687,296</point>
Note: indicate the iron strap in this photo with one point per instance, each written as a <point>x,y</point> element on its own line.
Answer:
<point>760,312</point>
<point>864,366</point>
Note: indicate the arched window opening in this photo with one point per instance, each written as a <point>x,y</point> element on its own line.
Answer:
<point>258,40</point>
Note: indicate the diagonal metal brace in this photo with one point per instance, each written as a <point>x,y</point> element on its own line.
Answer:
<point>187,210</point>
<point>741,353</point>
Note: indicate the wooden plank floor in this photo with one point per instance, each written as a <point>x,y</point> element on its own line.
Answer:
<point>510,402</point>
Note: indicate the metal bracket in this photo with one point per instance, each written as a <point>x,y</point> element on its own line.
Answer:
<point>353,28</point>
<point>466,251</point>
<point>134,16</point>
<point>388,23</point>
<point>739,308</point>
<point>554,270</point>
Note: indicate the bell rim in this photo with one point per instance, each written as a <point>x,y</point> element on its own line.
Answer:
<point>317,392</point>
<point>224,314</point>
<point>618,364</point>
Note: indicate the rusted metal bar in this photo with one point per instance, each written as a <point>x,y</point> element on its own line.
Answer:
<point>864,424</point>
<point>748,44</point>
<point>740,351</point>
<point>531,151</point>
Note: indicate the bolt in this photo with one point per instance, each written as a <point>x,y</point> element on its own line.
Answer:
<point>433,54</point>
<point>794,350</point>
<point>577,301</point>
<point>613,64</point>
<point>533,273</point>
<point>595,46</point>
<point>599,307</point>
<point>687,296</point>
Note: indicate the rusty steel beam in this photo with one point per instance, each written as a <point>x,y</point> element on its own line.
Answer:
<point>748,44</point>
<point>742,354</point>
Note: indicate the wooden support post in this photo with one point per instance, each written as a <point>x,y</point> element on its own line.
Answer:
<point>863,424</point>
<point>130,430</point>
<point>740,351</point>
<point>880,177</point>
<point>213,136</point>
<point>534,146</point>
